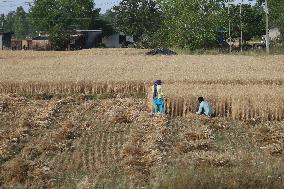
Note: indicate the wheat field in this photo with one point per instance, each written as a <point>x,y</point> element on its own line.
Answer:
<point>71,142</point>
<point>133,65</point>
<point>241,87</point>
<point>83,120</point>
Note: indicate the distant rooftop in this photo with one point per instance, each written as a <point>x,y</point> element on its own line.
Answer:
<point>89,30</point>
<point>3,33</point>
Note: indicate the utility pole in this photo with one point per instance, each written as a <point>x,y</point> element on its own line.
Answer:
<point>241,26</point>
<point>230,38</point>
<point>267,27</point>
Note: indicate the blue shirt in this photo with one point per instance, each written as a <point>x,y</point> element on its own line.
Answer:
<point>205,108</point>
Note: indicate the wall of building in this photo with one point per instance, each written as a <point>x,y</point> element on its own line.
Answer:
<point>1,43</point>
<point>16,44</point>
<point>117,40</point>
<point>92,38</point>
<point>5,39</point>
<point>274,34</point>
<point>40,45</point>
<point>112,41</point>
<point>25,45</point>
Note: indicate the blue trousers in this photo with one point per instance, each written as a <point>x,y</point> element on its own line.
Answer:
<point>159,105</point>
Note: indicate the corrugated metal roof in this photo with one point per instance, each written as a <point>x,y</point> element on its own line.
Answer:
<point>89,30</point>
<point>5,33</point>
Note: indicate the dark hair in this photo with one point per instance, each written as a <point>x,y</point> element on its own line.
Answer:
<point>201,99</point>
<point>158,82</point>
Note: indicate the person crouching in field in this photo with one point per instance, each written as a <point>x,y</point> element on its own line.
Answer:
<point>158,97</point>
<point>204,108</point>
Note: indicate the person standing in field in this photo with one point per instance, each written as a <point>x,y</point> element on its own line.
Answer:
<point>158,97</point>
<point>204,108</point>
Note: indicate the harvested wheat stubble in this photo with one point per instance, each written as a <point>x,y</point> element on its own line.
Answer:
<point>237,101</point>
<point>65,140</point>
<point>144,153</point>
<point>270,138</point>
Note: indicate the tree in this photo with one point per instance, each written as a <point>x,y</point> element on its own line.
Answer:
<point>62,16</point>
<point>276,15</point>
<point>69,13</point>
<point>192,24</point>
<point>9,22</point>
<point>59,38</point>
<point>140,18</point>
<point>2,20</point>
<point>21,24</point>
<point>108,16</point>
<point>252,19</point>
<point>106,23</point>
<point>103,22</point>
<point>16,22</point>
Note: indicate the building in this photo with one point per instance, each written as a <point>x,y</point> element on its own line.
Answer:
<point>274,34</point>
<point>93,38</point>
<point>25,44</point>
<point>39,43</point>
<point>81,39</point>
<point>77,42</point>
<point>16,44</point>
<point>5,40</point>
<point>21,44</point>
<point>118,40</point>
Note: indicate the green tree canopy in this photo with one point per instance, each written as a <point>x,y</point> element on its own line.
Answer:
<point>67,13</point>
<point>2,20</point>
<point>192,24</point>
<point>104,22</point>
<point>108,16</point>
<point>8,23</point>
<point>60,16</point>
<point>21,24</point>
<point>252,20</point>
<point>276,14</point>
<point>140,18</point>
<point>16,22</point>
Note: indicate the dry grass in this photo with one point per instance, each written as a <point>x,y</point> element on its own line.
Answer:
<point>74,120</point>
<point>15,171</point>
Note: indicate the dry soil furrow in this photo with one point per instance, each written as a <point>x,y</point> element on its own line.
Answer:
<point>76,156</point>
<point>98,148</point>
<point>115,146</point>
<point>85,146</point>
<point>104,149</point>
<point>92,153</point>
<point>142,151</point>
